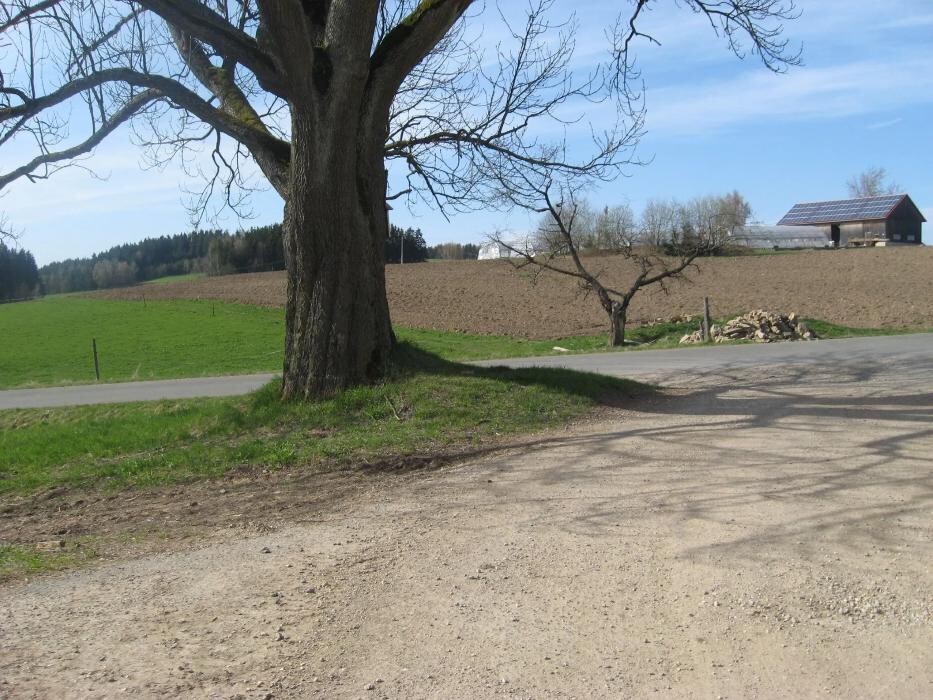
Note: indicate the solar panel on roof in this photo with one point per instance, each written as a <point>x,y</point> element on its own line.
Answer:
<point>840,210</point>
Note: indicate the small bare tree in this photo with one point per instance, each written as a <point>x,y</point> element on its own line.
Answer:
<point>872,183</point>
<point>563,222</point>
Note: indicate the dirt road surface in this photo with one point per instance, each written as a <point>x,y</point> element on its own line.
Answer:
<point>762,533</point>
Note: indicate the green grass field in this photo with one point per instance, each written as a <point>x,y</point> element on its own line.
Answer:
<point>176,278</point>
<point>428,400</point>
<point>170,339</point>
<point>48,342</point>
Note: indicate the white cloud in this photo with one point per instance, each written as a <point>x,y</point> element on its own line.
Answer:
<point>844,20</point>
<point>861,87</point>
<point>74,192</point>
<point>910,22</point>
<point>885,124</point>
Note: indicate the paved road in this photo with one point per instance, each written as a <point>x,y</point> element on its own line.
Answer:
<point>123,392</point>
<point>658,365</point>
<point>666,364</point>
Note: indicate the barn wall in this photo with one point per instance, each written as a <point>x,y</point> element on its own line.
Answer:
<point>905,230</point>
<point>905,225</point>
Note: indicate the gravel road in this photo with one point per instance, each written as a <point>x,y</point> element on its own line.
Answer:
<point>755,532</point>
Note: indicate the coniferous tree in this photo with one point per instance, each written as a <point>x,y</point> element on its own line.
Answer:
<point>19,276</point>
<point>410,240</point>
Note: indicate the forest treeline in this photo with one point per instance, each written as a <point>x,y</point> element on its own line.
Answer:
<point>19,276</point>
<point>416,250</point>
<point>211,252</point>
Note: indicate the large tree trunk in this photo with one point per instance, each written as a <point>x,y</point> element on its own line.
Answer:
<point>340,93</point>
<point>337,329</point>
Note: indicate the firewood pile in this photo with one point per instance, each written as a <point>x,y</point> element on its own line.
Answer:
<point>760,326</point>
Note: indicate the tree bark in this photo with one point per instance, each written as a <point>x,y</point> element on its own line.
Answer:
<point>617,325</point>
<point>337,328</point>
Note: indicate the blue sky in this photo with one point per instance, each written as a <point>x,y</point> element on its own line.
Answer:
<point>863,98</point>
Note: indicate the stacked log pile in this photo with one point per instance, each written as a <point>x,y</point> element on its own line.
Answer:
<point>760,326</point>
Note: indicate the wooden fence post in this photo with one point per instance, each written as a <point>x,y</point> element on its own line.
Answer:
<point>96,364</point>
<point>707,332</point>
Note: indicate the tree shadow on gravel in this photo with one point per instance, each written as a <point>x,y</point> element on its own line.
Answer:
<point>820,456</point>
<point>805,457</point>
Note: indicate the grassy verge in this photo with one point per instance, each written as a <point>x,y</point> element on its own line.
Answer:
<point>426,405</point>
<point>17,561</point>
<point>825,329</point>
<point>465,347</point>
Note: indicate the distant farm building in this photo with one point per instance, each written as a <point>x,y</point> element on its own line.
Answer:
<point>506,249</point>
<point>867,221</point>
<point>755,236</point>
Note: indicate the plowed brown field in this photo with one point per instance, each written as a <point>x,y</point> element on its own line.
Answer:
<point>867,288</point>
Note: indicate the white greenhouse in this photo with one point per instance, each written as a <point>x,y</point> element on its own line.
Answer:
<point>781,237</point>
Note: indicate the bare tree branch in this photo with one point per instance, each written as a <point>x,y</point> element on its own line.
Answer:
<point>24,14</point>
<point>409,42</point>
<point>872,183</point>
<point>199,21</point>
<point>247,131</point>
<point>6,231</point>
<point>755,24</point>
<point>133,106</point>
<point>469,136</point>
